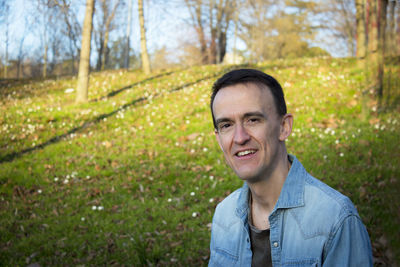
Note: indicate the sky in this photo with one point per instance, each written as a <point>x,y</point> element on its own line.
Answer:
<point>167,25</point>
<point>158,32</point>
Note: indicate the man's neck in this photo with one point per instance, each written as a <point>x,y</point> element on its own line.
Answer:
<point>265,194</point>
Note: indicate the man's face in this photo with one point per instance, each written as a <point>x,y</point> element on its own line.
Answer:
<point>248,130</point>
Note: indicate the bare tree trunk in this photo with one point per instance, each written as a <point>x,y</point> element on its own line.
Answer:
<point>235,35</point>
<point>391,42</point>
<point>361,36</point>
<point>84,62</point>
<point>99,51</point>
<point>229,13</point>
<point>6,60</point>
<point>18,68</point>
<point>71,31</point>
<point>382,9</point>
<point>361,50</point>
<point>128,34</point>
<point>398,31</point>
<point>195,15</point>
<point>348,26</point>
<point>373,38</point>
<point>105,51</point>
<point>216,32</point>
<point>7,41</point>
<point>45,59</point>
<point>219,22</point>
<point>143,45</point>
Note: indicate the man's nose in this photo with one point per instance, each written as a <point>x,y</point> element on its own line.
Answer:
<point>240,136</point>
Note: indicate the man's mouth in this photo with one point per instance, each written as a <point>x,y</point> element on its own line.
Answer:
<point>245,152</point>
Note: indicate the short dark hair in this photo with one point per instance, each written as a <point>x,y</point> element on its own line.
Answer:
<point>257,77</point>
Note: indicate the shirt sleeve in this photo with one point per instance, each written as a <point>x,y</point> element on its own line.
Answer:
<point>349,245</point>
<point>211,261</point>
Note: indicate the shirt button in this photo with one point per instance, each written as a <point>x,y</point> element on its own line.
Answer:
<point>275,244</point>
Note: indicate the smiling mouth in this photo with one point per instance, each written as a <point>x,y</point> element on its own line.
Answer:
<point>245,152</point>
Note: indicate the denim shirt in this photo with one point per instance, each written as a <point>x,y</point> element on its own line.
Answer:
<point>310,225</point>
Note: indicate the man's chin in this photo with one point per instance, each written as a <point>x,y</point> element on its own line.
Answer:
<point>249,177</point>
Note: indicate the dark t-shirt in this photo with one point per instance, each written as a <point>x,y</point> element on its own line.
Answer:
<point>260,245</point>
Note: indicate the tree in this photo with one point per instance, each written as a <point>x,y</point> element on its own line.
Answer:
<point>277,30</point>
<point>195,9</point>
<point>71,29</point>
<point>105,13</point>
<point>4,15</point>
<point>377,11</point>
<point>391,42</point>
<point>117,58</point>
<point>44,20</point>
<point>20,56</point>
<point>376,35</point>
<point>160,59</point>
<point>360,30</point>
<point>84,62</point>
<point>219,25</point>
<point>128,34</point>
<point>382,14</point>
<point>345,24</point>
<point>55,34</point>
<point>143,45</point>
<point>217,15</point>
<point>398,31</point>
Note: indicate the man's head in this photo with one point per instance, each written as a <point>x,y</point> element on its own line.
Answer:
<point>251,123</point>
<point>245,76</point>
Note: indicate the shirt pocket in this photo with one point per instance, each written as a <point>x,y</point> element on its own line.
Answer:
<point>223,258</point>
<point>301,263</point>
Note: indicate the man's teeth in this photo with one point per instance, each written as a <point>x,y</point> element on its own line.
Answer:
<point>246,152</point>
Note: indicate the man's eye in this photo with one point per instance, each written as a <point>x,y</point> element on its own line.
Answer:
<point>252,120</point>
<point>224,126</point>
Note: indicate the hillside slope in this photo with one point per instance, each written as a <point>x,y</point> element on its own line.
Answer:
<point>133,176</point>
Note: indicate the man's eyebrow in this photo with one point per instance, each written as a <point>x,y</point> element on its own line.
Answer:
<point>218,121</point>
<point>255,113</point>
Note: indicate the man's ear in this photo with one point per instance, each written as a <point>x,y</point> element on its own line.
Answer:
<point>286,126</point>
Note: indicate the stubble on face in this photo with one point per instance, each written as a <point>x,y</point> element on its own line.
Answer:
<point>256,137</point>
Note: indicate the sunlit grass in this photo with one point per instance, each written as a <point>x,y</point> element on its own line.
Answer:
<point>140,185</point>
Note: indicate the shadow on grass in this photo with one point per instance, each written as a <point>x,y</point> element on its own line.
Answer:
<point>116,92</point>
<point>11,156</point>
<point>7,84</point>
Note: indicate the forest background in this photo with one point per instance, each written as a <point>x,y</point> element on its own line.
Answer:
<point>107,154</point>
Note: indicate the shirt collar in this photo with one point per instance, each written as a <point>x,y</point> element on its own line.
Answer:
<point>292,193</point>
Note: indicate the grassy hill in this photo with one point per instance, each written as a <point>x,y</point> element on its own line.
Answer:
<point>133,176</point>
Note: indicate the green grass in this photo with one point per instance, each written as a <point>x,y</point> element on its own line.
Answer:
<point>136,183</point>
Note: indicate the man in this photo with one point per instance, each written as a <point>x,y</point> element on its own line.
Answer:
<point>282,216</point>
